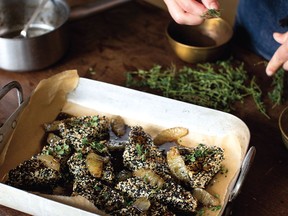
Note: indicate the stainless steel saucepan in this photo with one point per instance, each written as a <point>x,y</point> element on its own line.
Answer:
<point>47,39</point>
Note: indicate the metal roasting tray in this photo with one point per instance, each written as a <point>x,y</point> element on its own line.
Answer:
<point>141,106</point>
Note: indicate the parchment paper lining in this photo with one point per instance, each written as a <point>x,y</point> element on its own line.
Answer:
<point>49,98</point>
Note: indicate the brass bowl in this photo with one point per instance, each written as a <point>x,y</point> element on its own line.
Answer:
<point>283,126</point>
<point>208,41</point>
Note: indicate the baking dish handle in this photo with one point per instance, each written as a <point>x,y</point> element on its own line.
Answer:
<point>247,162</point>
<point>8,87</point>
<point>10,123</point>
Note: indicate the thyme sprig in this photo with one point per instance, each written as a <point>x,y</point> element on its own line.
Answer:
<point>276,95</point>
<point>216,85</point>
<point>211,13</point>
<point>256,93</point>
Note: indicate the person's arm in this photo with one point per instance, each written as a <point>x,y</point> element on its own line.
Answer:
<point>189,12</point>
<point>280,57</point>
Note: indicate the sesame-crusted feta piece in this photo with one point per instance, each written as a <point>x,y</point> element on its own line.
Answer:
<point>33,174</point>
<point>101,195</point>
<point>158,209</point>
<point>84,133</point>
<point>77,166</point>
<point>140,152</point>
<point>171,194</point>
<point>59,148</point>
<point>128,211</point>
<point>176,196</point>
<point>135,188</point>
<point>204,162</point>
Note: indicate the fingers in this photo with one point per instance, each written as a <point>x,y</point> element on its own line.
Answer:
<point>280,38</point>
<point>285,66</point>
<point>192,7</point>
<point>185,12</point>
<point>280,57</point>
<point>211,4</point>
<point>189,12</point>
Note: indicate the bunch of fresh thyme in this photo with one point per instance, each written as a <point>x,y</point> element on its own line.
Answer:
<point>216,85</point>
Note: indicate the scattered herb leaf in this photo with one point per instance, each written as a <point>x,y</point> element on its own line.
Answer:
<point>215,208</point>
<point>85,141</point>
<point>62,149</point>
<point>97,188</point>
<point>200,212</point>
<point>79,155</point>
<point>91,71</point>
<point>94,121</point>
<point>98,146</point>
<point>140,151</point>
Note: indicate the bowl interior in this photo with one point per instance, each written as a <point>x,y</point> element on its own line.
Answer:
<point>211,33</point>
<point>14,14</point>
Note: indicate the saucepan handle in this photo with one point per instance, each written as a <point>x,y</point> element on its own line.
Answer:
<point>7,128</point>
<point>80,11</point>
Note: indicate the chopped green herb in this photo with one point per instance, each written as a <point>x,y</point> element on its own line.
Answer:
<point>62,149</point>
<point>200,212</point>
<point>91,71</point>
<point>97,188</point>
<point>215,208</point>
<point>48,152</point>
<point>140,151</point>
<point>94,121</point>
<point>79,155</point>
<point>129,203</point>
<point>98,146</point>
<point>105,195</point>
<point>146,178</point>
<point>201,151</point>
<point>191,157</point>
<point>85,141</point>
<point>223,170</point>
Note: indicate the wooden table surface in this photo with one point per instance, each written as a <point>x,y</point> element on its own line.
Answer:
<point>132,36</point>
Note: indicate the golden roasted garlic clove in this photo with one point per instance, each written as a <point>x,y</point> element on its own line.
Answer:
<point>170,135</point>
<point>94,164</point>
<point>118,126</point>
<point>49,161</point>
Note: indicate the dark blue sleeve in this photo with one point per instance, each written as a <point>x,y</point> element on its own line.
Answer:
<point>256,20</point>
